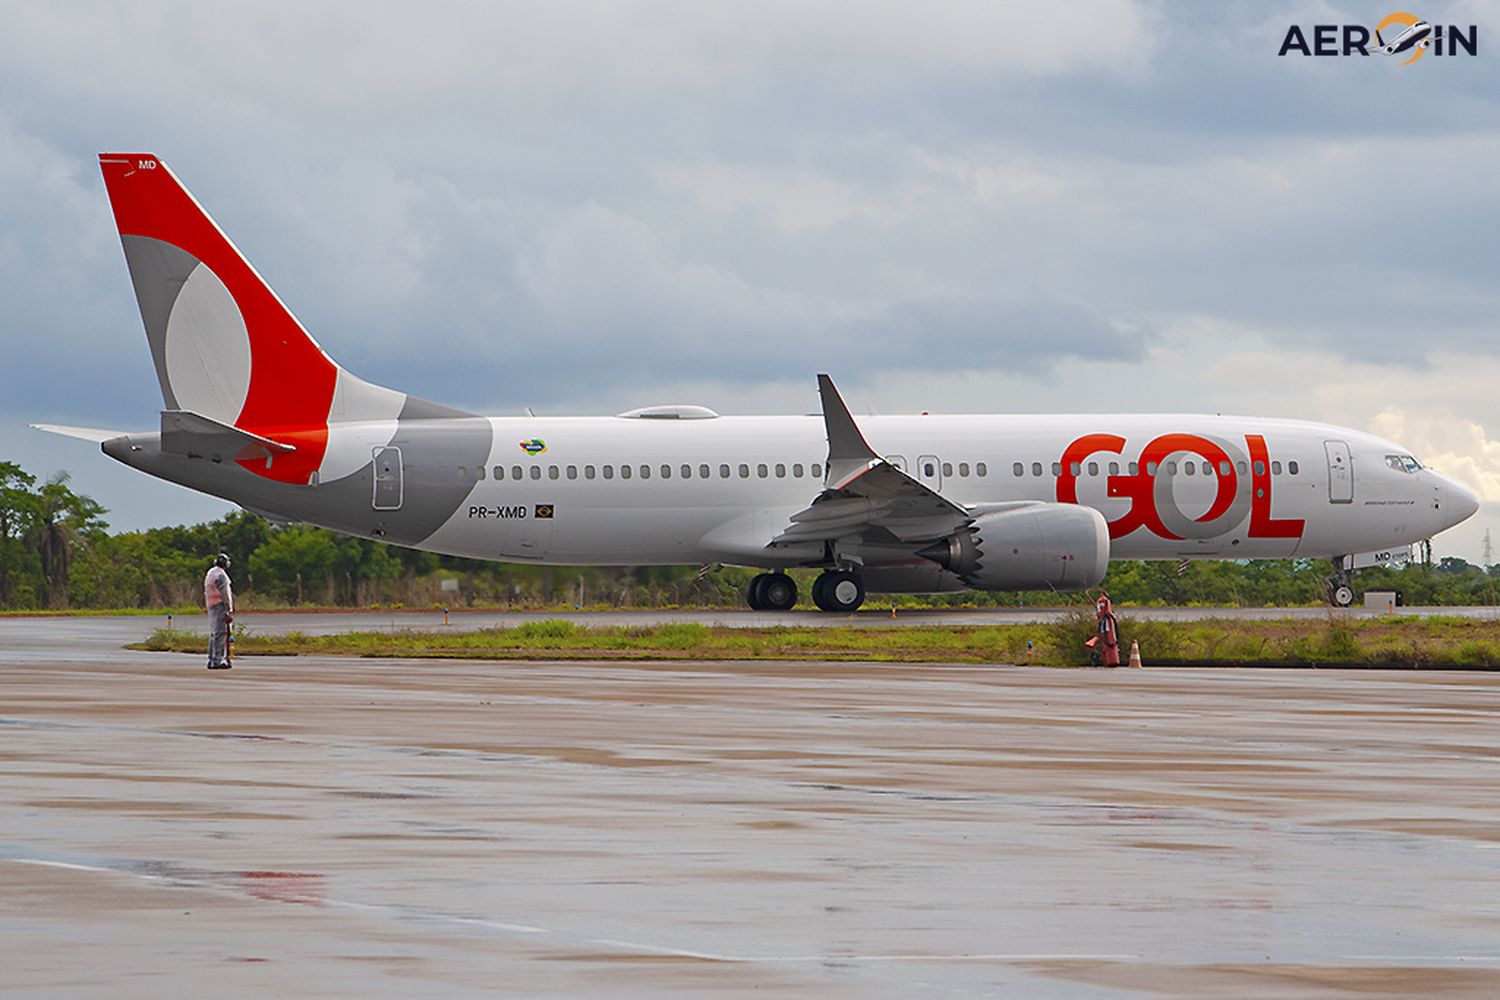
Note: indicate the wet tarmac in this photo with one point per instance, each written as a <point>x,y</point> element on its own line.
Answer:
<point>336,827</point>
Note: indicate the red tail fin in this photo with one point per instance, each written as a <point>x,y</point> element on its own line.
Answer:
<point>224,344</point>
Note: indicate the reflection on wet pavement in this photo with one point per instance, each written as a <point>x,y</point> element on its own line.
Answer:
<point>333,827</point>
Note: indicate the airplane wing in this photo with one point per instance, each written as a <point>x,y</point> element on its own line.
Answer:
<point>866,496</point>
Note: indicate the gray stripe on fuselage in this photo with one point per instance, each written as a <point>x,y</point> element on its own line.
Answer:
<point>158,270</point>
<point>432,451</point>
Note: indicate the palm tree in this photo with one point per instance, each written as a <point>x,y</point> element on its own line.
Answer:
<point>64,519</point>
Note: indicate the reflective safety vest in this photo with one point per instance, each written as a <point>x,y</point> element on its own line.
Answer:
<point>217,589</point>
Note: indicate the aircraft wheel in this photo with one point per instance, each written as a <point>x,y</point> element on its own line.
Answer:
<point>779,592</point>
<point>755,592</point>
<point>1342,595</point>
<point>839,591</point>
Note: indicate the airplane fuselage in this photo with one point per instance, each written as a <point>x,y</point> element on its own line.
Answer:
<point>631,491</point>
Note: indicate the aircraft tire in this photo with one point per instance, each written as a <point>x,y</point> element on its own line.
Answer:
<point>839,591</point>
<point>1341,596</point>
<point>778,592</point>
<point>755,592</point>
<point>817,592</point>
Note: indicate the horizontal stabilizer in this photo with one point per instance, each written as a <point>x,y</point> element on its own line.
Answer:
<point>184,432</point>
<point>98,435</point>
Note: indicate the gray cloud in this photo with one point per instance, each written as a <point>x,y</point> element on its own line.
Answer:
<point>591,205</point>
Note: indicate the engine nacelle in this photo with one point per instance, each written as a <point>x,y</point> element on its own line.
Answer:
<point>1045,546</point>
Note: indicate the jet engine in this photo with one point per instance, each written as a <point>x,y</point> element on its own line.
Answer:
<point>1044,546</point>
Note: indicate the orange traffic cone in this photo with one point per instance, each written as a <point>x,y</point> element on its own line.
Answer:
<point>1135,653</point>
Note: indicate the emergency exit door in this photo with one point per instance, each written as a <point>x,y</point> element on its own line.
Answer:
<point>930,472</point>
<point>388,487</point>
<point>1340,472</point>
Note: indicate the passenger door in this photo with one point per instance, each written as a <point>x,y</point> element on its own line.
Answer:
<point>1340,472</point>
<point>388,480</point>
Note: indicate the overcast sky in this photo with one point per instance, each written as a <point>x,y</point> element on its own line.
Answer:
<point>961,207</point>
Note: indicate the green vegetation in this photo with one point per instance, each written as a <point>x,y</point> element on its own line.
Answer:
<point>57,553</point>
<point>1430,642</point>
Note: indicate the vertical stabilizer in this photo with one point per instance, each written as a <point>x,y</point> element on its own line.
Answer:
<point>224,345</point>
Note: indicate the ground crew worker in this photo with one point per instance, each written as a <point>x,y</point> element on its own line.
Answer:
<point>218,598</point>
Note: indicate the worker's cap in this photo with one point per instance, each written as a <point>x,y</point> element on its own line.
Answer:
<point>222,561</point>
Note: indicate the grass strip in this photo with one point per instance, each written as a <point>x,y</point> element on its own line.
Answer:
<point>1410,642</point>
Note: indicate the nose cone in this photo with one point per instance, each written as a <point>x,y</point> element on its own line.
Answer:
<point>1459,502</point>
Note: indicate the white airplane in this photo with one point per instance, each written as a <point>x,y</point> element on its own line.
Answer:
<point>258,414</point>
<point>1418,34</point>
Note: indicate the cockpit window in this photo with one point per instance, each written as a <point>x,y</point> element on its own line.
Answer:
<point>1403,463</point>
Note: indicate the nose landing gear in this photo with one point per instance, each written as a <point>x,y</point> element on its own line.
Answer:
<point>1340,593</point>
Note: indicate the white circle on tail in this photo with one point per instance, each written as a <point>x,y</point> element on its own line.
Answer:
<point>208,349</point>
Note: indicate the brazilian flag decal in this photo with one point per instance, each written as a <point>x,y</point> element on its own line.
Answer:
<point>544,511</point>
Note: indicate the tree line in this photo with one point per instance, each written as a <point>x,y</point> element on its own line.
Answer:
<point>57,552</point>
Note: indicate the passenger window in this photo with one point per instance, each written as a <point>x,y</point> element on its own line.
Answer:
<point>645,472</point>
<point>817,471</point>
<point>981,469</point>
<point>536,472</point>
<point>572,472</point>
<point>499,471</point>
<point>744,471</point>
<point>1036,468</point>
<point>625,472</point>
<point>928,469</point>
<point>1260,467</point>
<point>1135,468</point>
<point>1171,468</point>
<point>479,473</point>
<point>588,472</point>
<point>1093,468</point>
<point>1291,468</point>
<point>762,471</point>
<point>687,472</point>
<point>1275,468</point>
<point>1208,468</point>
<point>703,472</point>
<point>1224,468</point>
<point>1057,468</point>
<point>1151,468</point>
<point>666,472</point>
<point>609,472</point>
<point>947,468</point>
<point>780,471</point>
<point>723,472</point>
<point>1114,468</point>
<point>1241,467</point>
<point>1190,469</point>
<point>1076,468</point>
<point>797,469</point>
<point>515,472</point>
<point>552,472</point>
<point>463,473</point>
<point>963,469</point>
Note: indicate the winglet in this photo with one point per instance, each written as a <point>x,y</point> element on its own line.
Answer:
<point>849,454</point>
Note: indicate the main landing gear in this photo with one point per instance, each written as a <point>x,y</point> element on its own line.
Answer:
<point>771,592</point>
<point>835,590</point>
<point>838,590</point>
